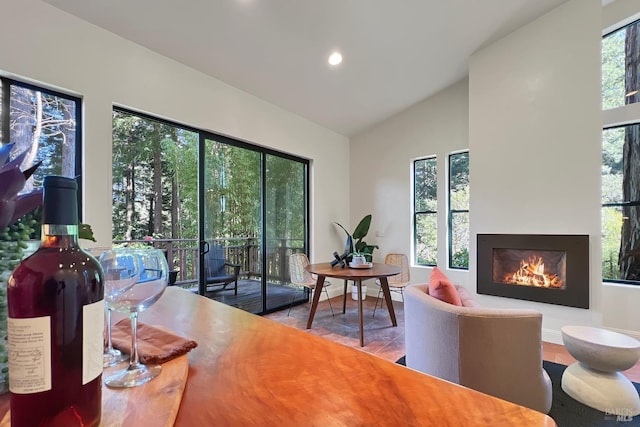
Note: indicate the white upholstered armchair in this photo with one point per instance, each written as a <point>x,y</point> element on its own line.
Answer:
<point>495,351</point>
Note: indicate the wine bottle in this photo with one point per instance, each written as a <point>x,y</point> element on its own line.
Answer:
<point>56,319</point>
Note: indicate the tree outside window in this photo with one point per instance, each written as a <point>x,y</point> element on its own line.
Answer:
<point>459,210</point>
<point>46,123</point>
<point>621,158</point>
<point>425,211</point>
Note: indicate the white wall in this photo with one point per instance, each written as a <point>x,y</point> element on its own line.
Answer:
<point>534,123</point>
<point>381,170</point>
<point>535,131</point>
<point>44,45</point>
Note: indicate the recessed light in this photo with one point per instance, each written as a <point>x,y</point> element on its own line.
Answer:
<point>335,58</point>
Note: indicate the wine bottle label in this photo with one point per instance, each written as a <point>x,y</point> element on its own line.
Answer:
<point>92,340</point>
<point>29,354</point>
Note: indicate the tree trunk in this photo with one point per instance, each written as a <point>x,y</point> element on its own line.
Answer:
<point>629,250</point>
<point>157,179</point>
<point>130,198</point>
<point>175,192</point>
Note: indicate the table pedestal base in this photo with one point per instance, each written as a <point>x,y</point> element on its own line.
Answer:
<point>609,392</point>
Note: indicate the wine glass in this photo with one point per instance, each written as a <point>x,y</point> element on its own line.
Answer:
<point>121,271</point>
<point>151,283</point>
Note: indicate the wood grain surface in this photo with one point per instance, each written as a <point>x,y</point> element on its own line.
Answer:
<point>154,403</point>
<point>157,401</point>
<point>248,370</point>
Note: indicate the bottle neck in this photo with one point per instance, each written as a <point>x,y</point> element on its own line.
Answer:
<point>56,235</point>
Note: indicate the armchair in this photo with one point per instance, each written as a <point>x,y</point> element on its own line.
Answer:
<point>494,351</point>
<point>219,271</point>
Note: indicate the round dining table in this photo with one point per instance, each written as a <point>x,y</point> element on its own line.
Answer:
<point>373,271</point>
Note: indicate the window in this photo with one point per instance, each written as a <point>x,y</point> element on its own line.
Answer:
<point>459,210</point>
<point>621,157</point>
<point>425,211</point>
<point>620,53</point>
<point>45,122</point>
<point>155,178</point>
<point>620,203</point>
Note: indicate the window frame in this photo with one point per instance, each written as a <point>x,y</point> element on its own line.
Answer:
<point>617,117</point>
<point>5,116</point>
<point>429,212</point>
<point>451,212</point>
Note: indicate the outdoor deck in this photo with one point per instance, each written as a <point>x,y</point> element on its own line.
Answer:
<point>249,296</point>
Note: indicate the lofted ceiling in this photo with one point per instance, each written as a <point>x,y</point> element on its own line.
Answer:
<point>396,52</point>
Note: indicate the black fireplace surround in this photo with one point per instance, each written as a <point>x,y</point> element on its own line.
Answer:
<point>575,267</point>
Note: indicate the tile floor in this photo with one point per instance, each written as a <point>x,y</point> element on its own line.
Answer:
<point>380,337</point>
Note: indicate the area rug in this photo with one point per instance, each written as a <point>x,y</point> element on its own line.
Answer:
<point>568,412</point>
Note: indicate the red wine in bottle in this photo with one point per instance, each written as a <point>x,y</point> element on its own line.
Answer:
<point>56,319</point>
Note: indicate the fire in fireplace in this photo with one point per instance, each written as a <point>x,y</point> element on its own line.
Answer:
<point>544,268</point>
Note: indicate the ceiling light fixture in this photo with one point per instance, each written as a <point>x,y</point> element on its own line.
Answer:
<point>335,58</point>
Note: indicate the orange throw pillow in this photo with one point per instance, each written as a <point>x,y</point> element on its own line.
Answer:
<point>440,287</point>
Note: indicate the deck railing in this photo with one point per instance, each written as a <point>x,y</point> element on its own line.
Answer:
<point>183,255</point>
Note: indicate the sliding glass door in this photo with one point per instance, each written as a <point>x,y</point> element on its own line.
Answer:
<point>254,211</point>
<point>285,223</point>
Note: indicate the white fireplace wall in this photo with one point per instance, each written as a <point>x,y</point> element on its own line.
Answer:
<point>534,122</point>
<point>534,137</point>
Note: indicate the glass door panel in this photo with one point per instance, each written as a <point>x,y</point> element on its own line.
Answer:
<point>232,226</point>
<point>285,231</point>
<point>254,211</point>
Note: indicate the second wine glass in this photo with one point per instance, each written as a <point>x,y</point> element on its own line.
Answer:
<point>121,271</point>
<point>149,287</point>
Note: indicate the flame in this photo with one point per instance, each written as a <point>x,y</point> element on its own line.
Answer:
<point>531,273</point>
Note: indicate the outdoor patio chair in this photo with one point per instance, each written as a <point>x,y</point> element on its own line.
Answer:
<point>219,271</point>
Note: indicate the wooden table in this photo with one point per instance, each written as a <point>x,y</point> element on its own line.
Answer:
<point>248,370</point>
<point>378,271</point>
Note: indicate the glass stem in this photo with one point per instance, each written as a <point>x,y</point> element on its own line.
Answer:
<point>109,343</point>
<point>134,362</point>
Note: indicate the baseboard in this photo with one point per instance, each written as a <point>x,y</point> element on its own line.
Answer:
<point>555,336</point>
<point>551,335</point>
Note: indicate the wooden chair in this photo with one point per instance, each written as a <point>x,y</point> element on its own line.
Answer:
<point>398,282</point>
<point>303,279</point>
<point>219,271</point>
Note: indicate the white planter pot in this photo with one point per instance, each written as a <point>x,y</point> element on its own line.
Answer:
<point>354,292</point>
<point>358,260</point>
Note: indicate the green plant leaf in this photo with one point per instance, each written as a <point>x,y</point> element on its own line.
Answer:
<point>363,227</point>
<point>85,232</point>
<point>345,230</point>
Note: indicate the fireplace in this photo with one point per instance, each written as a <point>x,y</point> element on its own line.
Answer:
<point>545,268</point>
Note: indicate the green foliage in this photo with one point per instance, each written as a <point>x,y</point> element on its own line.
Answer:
<point>426,244</point>
<point>460,259</point>
<point>233,187</point>
<point>426,184</point>
<point>613,69</point>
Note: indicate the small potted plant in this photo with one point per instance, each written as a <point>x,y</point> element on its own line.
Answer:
<point>361,253</point>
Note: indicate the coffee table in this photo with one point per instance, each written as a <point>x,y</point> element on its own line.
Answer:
<point>595,379</point>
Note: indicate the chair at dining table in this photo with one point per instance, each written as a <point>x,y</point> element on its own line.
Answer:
<point>398,282</point>
<point>300,277</point>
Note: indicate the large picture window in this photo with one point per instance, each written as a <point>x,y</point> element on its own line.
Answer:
<point>621,156</point>
<point>458,220</point>
<point>425,219</point>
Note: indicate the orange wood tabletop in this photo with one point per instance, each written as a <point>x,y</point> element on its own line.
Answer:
<point>249,370</point>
